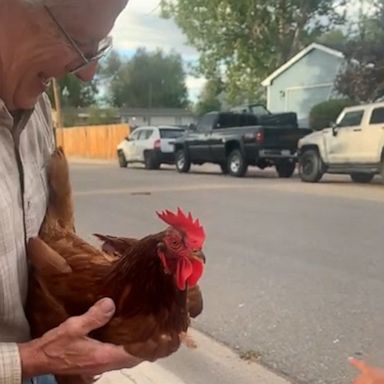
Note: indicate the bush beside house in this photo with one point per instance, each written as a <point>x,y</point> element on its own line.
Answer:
<point>326,112</point>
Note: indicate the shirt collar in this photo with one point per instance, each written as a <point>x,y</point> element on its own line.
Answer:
<point>8,122</point>
<point>6,119</point>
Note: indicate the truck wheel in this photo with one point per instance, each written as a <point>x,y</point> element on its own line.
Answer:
<point>286,169</point>
<point>122,160</point>
<point>150,161</point>
<point>310,166</point>
<point>183,164</point>
<point>237,165</point>
<point>224,168</point>
<point>362,178</point>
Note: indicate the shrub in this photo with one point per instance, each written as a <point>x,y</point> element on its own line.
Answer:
<point>324,113</point>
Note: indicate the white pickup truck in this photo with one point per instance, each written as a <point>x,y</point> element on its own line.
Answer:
<point>354,145</point>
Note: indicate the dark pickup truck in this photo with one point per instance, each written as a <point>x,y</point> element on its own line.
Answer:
<point>236,140</point>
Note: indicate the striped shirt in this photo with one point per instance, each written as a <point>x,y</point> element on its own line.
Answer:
<point>25,147</point>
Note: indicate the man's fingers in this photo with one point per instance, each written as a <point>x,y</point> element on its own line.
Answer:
<point>96,317</point>
<point>360,365</point>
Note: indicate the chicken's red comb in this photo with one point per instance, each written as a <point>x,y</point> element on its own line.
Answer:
<point>185,223</point>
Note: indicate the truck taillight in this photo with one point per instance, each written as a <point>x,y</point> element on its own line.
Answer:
<point>157,144</point>
<point>260,137</point>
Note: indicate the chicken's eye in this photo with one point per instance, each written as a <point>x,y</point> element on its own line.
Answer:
<point>175,243</point>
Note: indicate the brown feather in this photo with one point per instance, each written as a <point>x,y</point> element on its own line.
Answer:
<point>69,275</point>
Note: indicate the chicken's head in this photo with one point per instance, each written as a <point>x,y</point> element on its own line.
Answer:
<point>181,248</point>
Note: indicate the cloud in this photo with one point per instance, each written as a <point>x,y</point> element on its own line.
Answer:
<point>140,25</point>
<point>195,85</point>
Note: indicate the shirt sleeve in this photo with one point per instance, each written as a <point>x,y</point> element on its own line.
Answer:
<point>10,364</point>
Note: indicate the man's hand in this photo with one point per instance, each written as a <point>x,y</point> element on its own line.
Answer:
<point>67,349</point>
<point>368,375</point>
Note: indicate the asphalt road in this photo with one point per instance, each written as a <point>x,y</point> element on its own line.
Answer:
<point>294,273</point>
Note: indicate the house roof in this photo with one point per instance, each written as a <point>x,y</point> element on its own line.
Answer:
<point>298,57</point>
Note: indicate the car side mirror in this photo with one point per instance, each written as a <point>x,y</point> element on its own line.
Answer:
<point>335,128</point>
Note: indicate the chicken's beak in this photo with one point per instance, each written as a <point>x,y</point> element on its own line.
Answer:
<point>199,255</point>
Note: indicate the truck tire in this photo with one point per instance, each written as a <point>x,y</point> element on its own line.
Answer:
<point>285,170</point>
<point>362,178</point>
<point>183,164</point>
<point>150,161</point>
<point>123,163</point>
<point>236,164</point>
<point>310,166</point>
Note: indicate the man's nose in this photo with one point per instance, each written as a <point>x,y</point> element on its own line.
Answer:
<point>88,73</point>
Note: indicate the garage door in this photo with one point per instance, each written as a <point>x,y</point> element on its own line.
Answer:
<point>302,100</point>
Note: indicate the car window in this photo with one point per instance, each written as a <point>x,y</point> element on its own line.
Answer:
<point>134,135</point>
<point>206,122</point>
<point>146,134</point>
<point>377,116</point>
<point>247,120</point>
<point>228,120</point>
<point>170,133</point>
<point>352,119</point>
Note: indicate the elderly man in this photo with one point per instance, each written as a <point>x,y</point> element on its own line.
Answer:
<point>41,40</point>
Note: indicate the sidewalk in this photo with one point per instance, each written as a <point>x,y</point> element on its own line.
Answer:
<point>210,363</point>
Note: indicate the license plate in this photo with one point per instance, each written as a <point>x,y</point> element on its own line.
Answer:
<point>286,152</point>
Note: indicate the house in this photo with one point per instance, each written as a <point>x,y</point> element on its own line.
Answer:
<point>157,116</point>
<point>305,80</point>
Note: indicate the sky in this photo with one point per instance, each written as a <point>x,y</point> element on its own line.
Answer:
<point>140,26</point>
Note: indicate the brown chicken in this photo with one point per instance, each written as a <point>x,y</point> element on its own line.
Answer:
<point>153,281</point>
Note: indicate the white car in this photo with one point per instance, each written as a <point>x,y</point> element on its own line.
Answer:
<point>151,146</point>
<point>354,145</point>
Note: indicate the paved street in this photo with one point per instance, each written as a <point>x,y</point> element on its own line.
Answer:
<point>294,273</point>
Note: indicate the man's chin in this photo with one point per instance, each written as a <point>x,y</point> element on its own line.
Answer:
<point>24,103</point>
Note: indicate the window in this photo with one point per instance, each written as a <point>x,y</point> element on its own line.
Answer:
<point>207,122</point>
<point>230,120</point>
<point>227,120</point>
<point>377,116</point>
<point>134,135</point>
<point>247,120</point>
<point>170,133</point>
<point>352,119</point>
<point>259,110</point>
<point>146,134</point>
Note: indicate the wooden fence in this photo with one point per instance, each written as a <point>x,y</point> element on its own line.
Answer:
<point>93,142</point>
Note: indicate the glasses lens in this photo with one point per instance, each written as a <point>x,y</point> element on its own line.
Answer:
<point>103,49</point>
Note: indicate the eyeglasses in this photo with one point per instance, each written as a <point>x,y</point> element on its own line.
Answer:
<point>104,46</point>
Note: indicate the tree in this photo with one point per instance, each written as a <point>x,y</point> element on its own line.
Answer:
<point>148,80</point>
<point>75,93</point>
<point>209,99</point>
<point>362,78</point>
<point>335,38</point>
<point>249,39</point>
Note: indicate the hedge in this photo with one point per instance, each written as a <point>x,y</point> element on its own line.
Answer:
<point>324,113</point>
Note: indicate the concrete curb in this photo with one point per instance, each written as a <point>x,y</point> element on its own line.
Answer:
<point>211,362</point>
